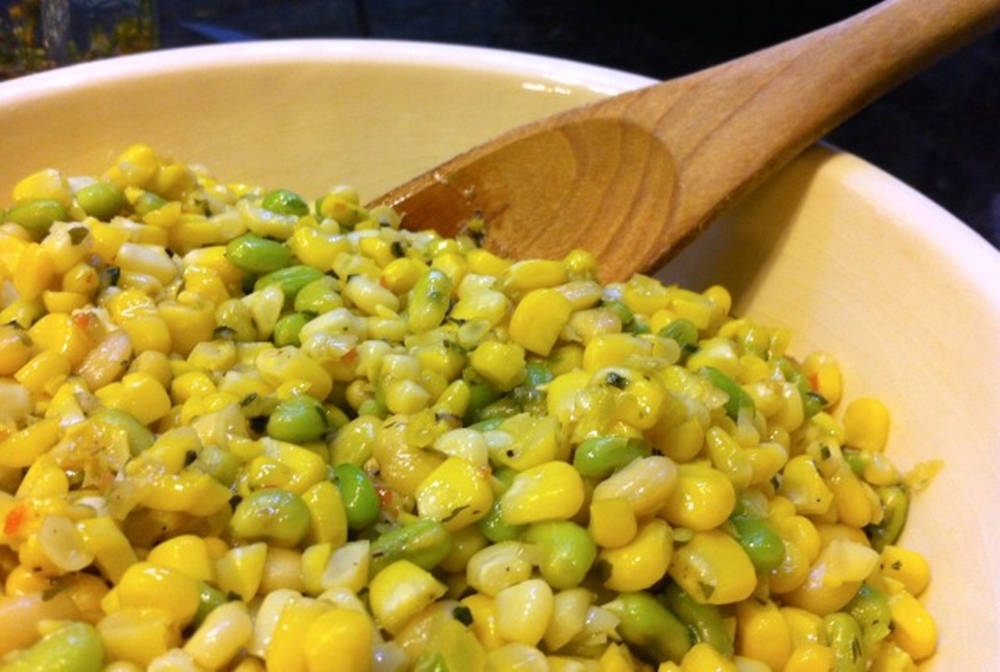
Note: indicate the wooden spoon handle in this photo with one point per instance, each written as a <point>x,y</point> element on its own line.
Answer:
<point>791,95</point>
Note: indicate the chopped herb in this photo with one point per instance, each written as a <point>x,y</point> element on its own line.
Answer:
<point>617,380</point>
<point>707,589</point>
<point>462,614</point>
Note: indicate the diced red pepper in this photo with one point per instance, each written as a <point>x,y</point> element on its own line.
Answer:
<point>15,520</point>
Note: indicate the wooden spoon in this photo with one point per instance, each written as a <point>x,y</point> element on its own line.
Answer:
<point>633,177</point>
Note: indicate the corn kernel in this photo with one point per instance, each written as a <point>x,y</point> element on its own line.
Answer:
<point>866,422</point>
<point>641,562</point>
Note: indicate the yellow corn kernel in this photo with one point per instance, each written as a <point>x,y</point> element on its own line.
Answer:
<point>400,591</point>
<point>803,485</point>
<point>484,620</point>
<point>668,666</point>
<point>59,333</point>
<point>523,611</point>
<point>205,282</point>
<point>804,627</point>
<point>187,554</point>
<point>348,567</point>
<point>519,657</point>
<point>646,483</point>
<point>549,491</point>
<point>866,423</point>
<point>34,272</point>
<point>762,633</point>
<point>285,650</point>
<point>139,394</point>
<point>172,181</point>
<point>810,657</point>
<point>563,394</point>
<point>107,239</point>
<point>456,493</point>
<point>63,302</point>
<point>282,365</point>
<point>214,258</point>
<point>801,532</point>
<point>834,577</point>
<point>48,183</point>
<point>613,350</point>
<point>327,516</point>
<point>645,295</point>
<point>339,640</point>
<point>913,629</point>
<point>908,567</point>
<point>500,363</point>
<point>401,275</point>
<point>533,274</point>
<point>612,522</point>
<point>692,306</point>
<point>499,566</point>
<point>703,658</point>
<point>453,265</point>
<point>823,373</point>
<point>15,348</point>
<point>728,457</point>
<point>113,553</point>
<point>890,658</point>
<point>313,563</point>
<point>486,263</point>
<point>188,323</point>
<point>702,499</point>
<point>219,638</point>
<point>43,479</point>
<point>241,570</point>
<point>190,384</point>
<point>714,569</point>
<point>766,460</point>
<point>538,319</point>
<point>138,634</point>
<point>135,167</point>
<point>641,562</point>
<point>616,658</point>
<point>24,581</point>
<point>147,585</point>
<point>24,447</point>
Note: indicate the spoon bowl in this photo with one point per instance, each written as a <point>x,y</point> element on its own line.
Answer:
<point>634,177</point>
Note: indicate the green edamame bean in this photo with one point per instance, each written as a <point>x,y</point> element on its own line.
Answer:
<point>286,330</point>
<point>567,552</point>
<point>895,507</point>
<point>75,647</point>
<point>870,608</point>
<point>527,395</point>
<point>147,202</point>
<point>650,627</point>
<point>101,199</point>
<point>758,538</point>
<point>220,464</point>
<point>298,420</point>
<point>682,331</point>
<point>481,395</point>
<point>276,515</point>
<point>431,662</point>
<point>37,214</point>
<point>598,457</point>
<point>255,254</point>
<point>360,499</point>
<point>843,635</point>
<point>738,397</point>
<point>319,296</point>
<point>704,620</point>
<point>500,409</point>
<point>495,529</point>
<point>291,279</point>
<point>428,301</point>
<point>284,202</point>
<point>139,436</point>
<point>425,543</point>
<point>209,598</point>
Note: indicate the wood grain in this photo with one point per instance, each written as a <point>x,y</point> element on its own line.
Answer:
<point>633,177</point>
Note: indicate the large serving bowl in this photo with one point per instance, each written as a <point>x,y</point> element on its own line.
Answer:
<point>854,261</point>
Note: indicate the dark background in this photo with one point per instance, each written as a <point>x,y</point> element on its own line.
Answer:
<point>937,132</point>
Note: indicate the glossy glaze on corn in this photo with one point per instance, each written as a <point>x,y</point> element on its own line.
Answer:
<point>242,432</point>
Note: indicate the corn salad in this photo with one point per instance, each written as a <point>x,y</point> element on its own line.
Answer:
<point>240,431</point>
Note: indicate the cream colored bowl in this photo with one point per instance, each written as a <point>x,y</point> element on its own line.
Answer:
<point>851,259</point>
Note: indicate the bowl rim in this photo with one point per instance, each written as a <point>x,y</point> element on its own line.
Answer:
<point>969,254</point>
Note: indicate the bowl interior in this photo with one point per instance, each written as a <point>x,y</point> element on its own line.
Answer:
<point>850,259</point>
